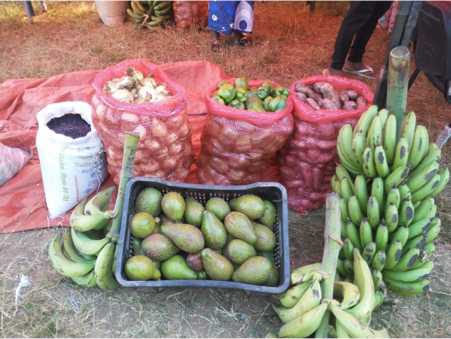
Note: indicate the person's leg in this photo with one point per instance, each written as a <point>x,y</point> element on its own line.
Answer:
<point>244,21</point>
<point>363,35</point>
<point>221,15</point>
<point>355,18</point>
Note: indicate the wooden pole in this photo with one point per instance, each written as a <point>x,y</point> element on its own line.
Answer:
<point>397,85</point>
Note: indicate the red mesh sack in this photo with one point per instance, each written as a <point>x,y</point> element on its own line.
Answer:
<point>164,149</point>
<point>308,159</point>
<point>190,14</point>
<point>237,144</point>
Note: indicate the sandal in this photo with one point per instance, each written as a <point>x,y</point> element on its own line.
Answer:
<point>362,72</point>
<point>215,46</point>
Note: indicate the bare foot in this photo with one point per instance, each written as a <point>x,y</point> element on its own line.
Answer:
<point>334,72</point>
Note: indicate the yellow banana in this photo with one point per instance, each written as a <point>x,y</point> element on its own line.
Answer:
<point>102,271</point>
<point>298,273</point>
<point>69,248</point>
<point>86,245</point>
<point>83,223</point>
<point>349,293</point>
<point>290,297</point>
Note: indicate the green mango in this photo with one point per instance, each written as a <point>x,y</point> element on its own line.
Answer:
<point>175,268</point>
<point>173,206</point>
<point>266,239</point>
<point>213,230</point>
<point>216,265</point>
<point>269,215</point>
<point>273,279</point>
<point>193,212</point>
<point>141,268</point>
<point>149,200</point>
<point>239,226</point>
<point>254,271</point>
<point>187,237</point>
<point>250,205</point>
<point>268,255</point>
<point>219,207</point>
<point>238,251</point>
<point>158,247</point>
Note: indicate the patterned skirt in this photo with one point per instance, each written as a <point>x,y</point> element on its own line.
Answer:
<point>228,16</point>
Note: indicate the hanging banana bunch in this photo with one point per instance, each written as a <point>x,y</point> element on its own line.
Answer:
<point>151,14</point>
<point>388,191</point>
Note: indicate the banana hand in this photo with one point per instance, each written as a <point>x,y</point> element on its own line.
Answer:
<point>102,271</point>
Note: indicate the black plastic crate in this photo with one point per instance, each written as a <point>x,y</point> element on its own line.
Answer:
<point>271,191</point>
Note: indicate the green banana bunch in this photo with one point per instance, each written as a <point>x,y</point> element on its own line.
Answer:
<point>150,14</point>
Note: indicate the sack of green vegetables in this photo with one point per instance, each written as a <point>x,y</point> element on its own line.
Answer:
<point>248,121</point>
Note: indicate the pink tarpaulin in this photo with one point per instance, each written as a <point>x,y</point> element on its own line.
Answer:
<point>22,199</point>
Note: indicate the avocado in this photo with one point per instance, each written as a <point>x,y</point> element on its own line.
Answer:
<point>159,247</point>
<point>269,215</point>
<point>173,206</point>
<point>141,268</point>
<point>273,279</point>
<point>219,207</point>
<point>250,205</point>
<point>142,225</point>
<point>175,268</point>
<point>193,212</point>
<point>213,230</point>
<point>240,227</point>
<point>187,237</point>
<point>216,265</point>
<point>149,201</point>
<point>266,239</point>
<point>238,251</point>
<point>254,271</point>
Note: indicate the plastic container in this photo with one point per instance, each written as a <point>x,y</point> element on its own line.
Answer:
<point>271,191</point>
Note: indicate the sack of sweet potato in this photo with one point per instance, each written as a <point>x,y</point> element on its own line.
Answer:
<point>321,105</point>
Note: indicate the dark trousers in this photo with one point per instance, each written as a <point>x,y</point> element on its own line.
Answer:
<point>358,24</point>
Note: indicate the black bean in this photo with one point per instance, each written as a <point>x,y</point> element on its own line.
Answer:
<point>71,125</point>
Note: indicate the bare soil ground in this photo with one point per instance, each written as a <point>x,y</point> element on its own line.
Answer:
<point>289,43</point>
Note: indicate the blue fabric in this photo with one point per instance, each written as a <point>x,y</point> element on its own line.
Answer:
<point>228,16</point>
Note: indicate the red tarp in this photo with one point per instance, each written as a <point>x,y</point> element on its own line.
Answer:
<point>23,205</point>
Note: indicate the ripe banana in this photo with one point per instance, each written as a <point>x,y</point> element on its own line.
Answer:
<point>344,210</point>
<point>304,325</point>
<point>391,218</point>
<point>418,147</point>
<point>309,300</point>
<point>290,297</point>
<point>102,270</point>
<point>364,282</point>
<point>425,210</point>
<point>393,255</point>
<point>361,193</point>
<point>69,249</point>
<point>369,167</point>
<point>353,234</point>
<point>408,127</point>
<point>390,139</point>
<point>353,325</point>
<point>381,237</point>
<point>378,262</point>
<point>444,179</point>
<point>346,189</point>
<point>411,275</point>
<point>420,227</point>
<point>427,189</point>
<point>407,260</point>
<point>340,331</point>
<point>373,212</point>
<point>348,249</point>
<point>87,280</point>
<point>86,245</point>
<point>401,234</point>
<point>380,160</point>
<point>404,192</point>
<point>354,210</point>
<point>369,252</point>
<point>377,279</point>
<point>365,233</point>
<point>298,273</point>
<point>416,181</point>
<point>396,177</point>
<point>64,266</point>
<point>358,147</point>
<point>406,213</point>
<point>83,223</point>
<point>347,292</point>
<point>408,288</point>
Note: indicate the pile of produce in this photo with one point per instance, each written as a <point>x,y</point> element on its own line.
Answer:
<point>266,98</point>
<point>87,252</point>
<point>135,88</point>
<point>319,303</point>
<point>70,125</point>
<point>151,14</point>
<point>387,189</point>
<point>178,239</point>
<point>322,95</point>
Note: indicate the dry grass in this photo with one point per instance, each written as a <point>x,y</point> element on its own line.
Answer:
<point>289,43</point>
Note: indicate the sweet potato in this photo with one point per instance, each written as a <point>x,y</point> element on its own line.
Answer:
<point>328,92</point>
<point>352,94</point>
<point>349,106</point>
<point>361,102</point>
<point>300,96</point>
<point>298,86</point>
<point>317,86</point>
<point>309,93</point>
<point>328,104</point>
<point>344,96</point>
<point>312,103</point>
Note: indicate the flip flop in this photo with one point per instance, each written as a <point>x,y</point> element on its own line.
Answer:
<point>362,72</point>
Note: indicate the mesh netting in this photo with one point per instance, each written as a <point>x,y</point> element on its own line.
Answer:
<point>164,149</point>
<point>189,14</point>
<point>308,159</point>
<point>236,145</point>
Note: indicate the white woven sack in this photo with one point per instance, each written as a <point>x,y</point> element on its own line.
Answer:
<point>71,169</point>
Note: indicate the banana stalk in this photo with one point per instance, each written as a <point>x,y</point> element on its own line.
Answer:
<point>332,245</point>
<point>398,77</point>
